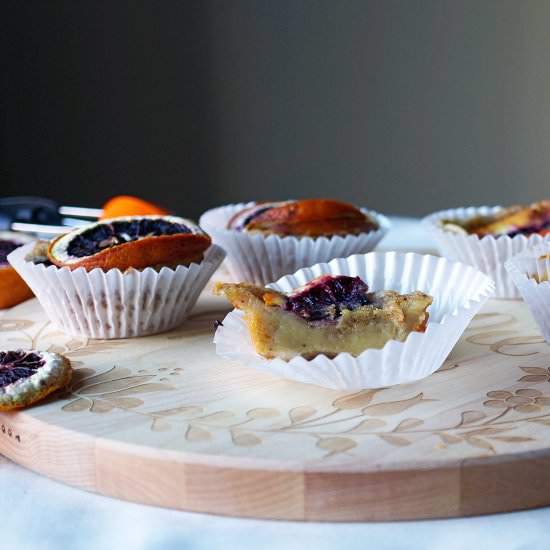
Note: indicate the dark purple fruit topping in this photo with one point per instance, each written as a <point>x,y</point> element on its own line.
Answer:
<point>538,227</point>
<point>6,247</point>
<point>15,365</point>
<point>39,254</point>
<point>252,216</point>
<point>326,297</point>
<point>240,221</point>
<point>107,235</point>
<point>40,260</point>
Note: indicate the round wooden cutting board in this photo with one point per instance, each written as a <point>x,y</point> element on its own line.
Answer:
<point>162,420</point>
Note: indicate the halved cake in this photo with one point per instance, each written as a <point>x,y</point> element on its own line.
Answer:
<point>329,315</point>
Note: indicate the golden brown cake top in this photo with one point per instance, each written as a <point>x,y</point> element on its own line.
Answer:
<point>511,221</point>
<point>306,218</point>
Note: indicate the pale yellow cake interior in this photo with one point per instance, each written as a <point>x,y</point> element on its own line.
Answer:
<point>279,333</point>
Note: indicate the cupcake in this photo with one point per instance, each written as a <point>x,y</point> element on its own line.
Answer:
<point>486,237</point>
<point>529,271</point>
<point>267,240</point>
<point>365,321</point>
<point>13,289</point>
<point>120,277</point>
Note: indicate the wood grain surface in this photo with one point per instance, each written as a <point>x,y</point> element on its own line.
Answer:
<point>162,420</point>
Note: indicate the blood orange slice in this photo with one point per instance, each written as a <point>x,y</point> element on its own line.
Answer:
<point>29,376</point>
<point>132,241</point>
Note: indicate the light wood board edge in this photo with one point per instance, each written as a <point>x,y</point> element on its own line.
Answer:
<point>129,472</point>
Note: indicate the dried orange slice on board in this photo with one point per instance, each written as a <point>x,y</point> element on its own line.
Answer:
<point>130,242</point>
<point>27,377</point>
<point>13,290</point>
<point>125,205</point>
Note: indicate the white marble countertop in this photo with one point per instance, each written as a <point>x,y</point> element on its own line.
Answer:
<point>41,514</point>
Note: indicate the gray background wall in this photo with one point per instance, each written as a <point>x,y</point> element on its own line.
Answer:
<point>396,105</point>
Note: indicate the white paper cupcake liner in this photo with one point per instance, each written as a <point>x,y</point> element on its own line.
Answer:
<point>116,304</point>
<point>521,269</point>
<point>458,291</point>
<point>261,260</point>
<point>488,253</point>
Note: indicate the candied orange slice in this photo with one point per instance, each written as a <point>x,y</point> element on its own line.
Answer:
<point>130,242</point>
<point>27,377</point>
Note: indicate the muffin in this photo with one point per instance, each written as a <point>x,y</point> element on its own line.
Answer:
<point>13,289</point>
<point>269,239</point>
<point>486,237</point>
<point>120,277</point>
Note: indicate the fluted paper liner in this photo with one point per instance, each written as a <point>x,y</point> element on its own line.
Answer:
<point>521,269</point>
<point>487,253</point>
<point>261,260</point>
<point>458,291</point>
<point>116,304</point>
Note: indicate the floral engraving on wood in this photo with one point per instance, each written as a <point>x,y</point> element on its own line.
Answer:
<point>339,426</point>
<point>115,388</point>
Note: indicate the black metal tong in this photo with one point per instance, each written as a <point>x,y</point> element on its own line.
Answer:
<point>41,215</point>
